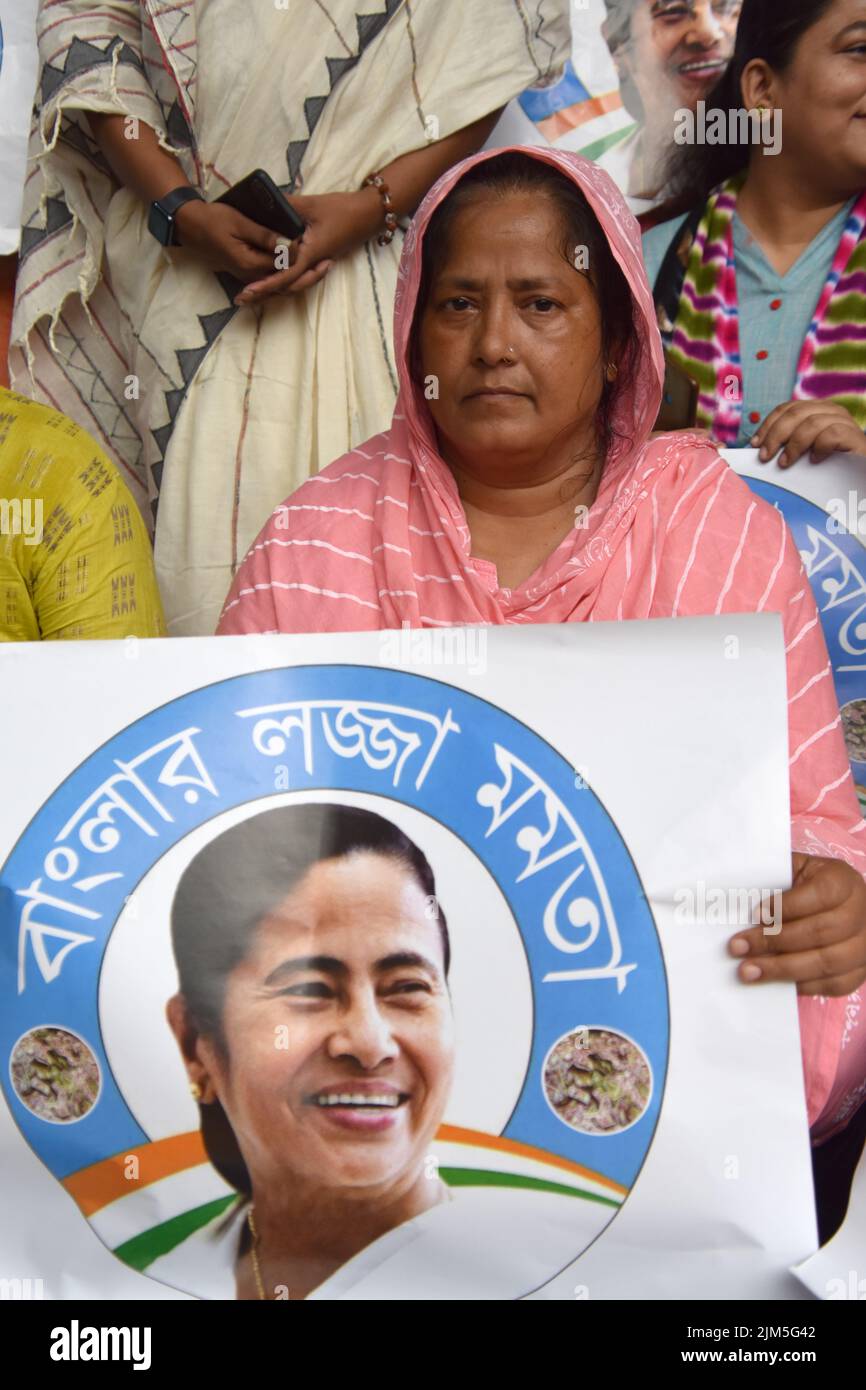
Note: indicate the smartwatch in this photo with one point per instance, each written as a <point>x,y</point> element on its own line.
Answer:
<point>163,210</point>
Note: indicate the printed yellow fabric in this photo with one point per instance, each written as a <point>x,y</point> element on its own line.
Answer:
<point>75,559</point>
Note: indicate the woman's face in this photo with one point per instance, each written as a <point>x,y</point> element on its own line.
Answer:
<point>338,1033</point>
<point>822,97</point>
<point>511,334</point>
<point>678,50</point>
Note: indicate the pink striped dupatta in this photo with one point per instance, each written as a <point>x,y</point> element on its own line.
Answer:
<point>379,539</point>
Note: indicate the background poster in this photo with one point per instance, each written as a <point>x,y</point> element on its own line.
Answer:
<point>634,63</point>
<point>825,508</point>
<point>562,841</point>
<point>18,62</point>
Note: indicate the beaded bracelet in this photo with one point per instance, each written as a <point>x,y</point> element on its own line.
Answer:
<point>376,181</point>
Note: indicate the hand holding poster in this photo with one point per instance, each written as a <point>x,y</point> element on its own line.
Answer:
<point>307,936</point>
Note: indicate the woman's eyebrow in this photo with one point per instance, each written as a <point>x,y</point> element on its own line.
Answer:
<point>851,28</point>
<point>400,959</point>
<point>328,965</point>
<point>535,282</point>
<point>463,282</point>
<point>459,282</point>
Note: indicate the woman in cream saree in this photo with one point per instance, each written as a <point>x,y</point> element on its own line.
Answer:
<point>216,411</point>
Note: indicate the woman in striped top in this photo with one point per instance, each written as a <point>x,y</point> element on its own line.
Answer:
<point>761,287</point>
<point>519,483</point>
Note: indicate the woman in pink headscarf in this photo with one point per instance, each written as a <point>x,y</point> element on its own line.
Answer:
<point>519,483</point>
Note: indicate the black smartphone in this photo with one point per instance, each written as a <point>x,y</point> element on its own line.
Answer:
<point>259,199</point>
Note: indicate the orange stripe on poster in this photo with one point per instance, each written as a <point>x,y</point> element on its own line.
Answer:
<point>455,1134</point>
<point>95,1187</point>
<point>570,117</point>
<point>101,1183</point>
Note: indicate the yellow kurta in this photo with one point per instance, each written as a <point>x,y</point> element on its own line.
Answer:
<point>75,559</point>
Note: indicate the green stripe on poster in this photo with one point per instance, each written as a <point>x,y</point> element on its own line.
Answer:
<point>607,142</point>
<point>143,1249</point>
<point>482,1177</point>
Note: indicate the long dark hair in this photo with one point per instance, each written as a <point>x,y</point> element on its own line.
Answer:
<point>768,29</point>
<point>515,172</point>
<point>233,883</point>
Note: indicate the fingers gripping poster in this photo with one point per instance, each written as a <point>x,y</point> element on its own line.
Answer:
<point>361,978</point>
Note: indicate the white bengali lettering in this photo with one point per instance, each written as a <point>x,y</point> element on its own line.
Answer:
<point>579,904</point>
<point>381,735</point>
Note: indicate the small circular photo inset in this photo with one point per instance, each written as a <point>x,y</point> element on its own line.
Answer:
<point>854,728</point>
<point>597,1081</point>
<point>55,1074</point>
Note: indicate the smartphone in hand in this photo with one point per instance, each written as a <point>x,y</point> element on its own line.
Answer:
<point>259,199</point>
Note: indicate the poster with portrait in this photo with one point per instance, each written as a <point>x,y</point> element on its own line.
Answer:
<point>379,966</point>
<point>18,63</point>
<point>825,508</point>
<point>634,64</point>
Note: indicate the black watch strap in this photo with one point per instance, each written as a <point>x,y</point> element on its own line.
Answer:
<point>163,210</point>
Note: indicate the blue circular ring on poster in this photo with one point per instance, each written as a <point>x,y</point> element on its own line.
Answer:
<point>592,952</point>
<point>835,563</point>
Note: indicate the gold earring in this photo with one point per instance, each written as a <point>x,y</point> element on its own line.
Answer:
<point>612,371</point>
<point>195,1090</point>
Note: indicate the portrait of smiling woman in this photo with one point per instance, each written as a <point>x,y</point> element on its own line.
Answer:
<point>521,482</point>
<point>314,1021</point>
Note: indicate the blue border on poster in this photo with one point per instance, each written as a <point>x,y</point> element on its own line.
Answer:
<point>590,939</point>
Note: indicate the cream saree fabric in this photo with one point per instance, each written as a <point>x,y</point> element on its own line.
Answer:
<point>217,412</point>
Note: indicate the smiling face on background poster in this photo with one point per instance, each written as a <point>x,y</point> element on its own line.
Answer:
<point>669,54</point>
<point>669,50</point>
<point>329,1043</point>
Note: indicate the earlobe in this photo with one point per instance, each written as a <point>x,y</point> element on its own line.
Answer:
<point>756,86</point>
<point>202,1091</point>
<point>188,1041</point>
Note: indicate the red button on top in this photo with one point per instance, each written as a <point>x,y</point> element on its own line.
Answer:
<point>755,416</point>
<point>762,355</point>
<point>776,304</point>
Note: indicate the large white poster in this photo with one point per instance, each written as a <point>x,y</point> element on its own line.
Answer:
<point>411,926</point>
<point>18,63</point>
